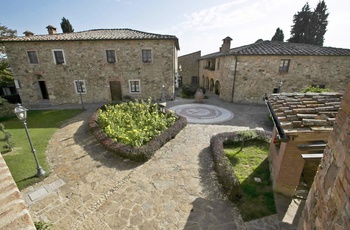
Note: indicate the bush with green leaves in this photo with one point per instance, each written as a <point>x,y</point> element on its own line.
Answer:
<point>315,89</point>
<point>6,109</point>
<point>134,123</point>
<point>188,91</point>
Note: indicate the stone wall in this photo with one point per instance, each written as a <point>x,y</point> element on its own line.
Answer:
<point>189,64</point>
<point>328,203</point>
<point>86,60</point>
<point>13,211</point>
<point>257,75</point>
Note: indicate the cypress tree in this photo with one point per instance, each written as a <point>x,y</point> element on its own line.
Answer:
<point>66,26</point>
<point>279,36</point>
<point>301,20</point>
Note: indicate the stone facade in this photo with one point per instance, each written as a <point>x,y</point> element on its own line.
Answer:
<point>13,211</point>
<point>328,203</point>
<point>189,68</point>
<point>86,60</point>
<point>245,76</point>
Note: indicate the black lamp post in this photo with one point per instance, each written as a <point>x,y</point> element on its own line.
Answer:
<point>21,114</point>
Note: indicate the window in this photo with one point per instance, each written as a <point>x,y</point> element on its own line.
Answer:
<point>110,56</point>
<point>80,86</point>
<point>58,57</point>
<point>284,66</point>
<point>134,86</point>
<point>33,58</point>
<point>146,56</point>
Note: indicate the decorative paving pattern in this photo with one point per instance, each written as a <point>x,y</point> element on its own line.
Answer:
<point>200,114</point>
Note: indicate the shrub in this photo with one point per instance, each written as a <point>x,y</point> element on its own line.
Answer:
<point>188,91</point>
<point>8,144</point>
<point>6,109</point>
<point>315,89</point>
<point>134,123</point>
<point>222,164</point>
<point>144,152</point>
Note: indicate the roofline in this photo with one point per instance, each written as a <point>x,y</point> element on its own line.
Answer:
<point>233,54</point>
<point>176,40</point>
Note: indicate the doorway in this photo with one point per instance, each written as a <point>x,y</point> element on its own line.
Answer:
<point>43,89</point>
<point>116,90</point>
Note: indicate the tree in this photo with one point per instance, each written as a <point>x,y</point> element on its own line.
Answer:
<point>279,36</point>
<point>310,26</point>
<point>317,27</point>
<point>301,20</point>
<point>66,26</point>
<point>5,33</point>
<point>6,76</point>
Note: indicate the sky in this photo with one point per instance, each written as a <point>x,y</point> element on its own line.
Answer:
<point>200,25</point>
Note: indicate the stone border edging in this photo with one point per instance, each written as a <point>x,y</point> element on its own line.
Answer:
<point>223,166</point>
<point>142,153</point>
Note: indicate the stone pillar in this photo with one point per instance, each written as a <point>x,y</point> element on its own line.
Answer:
<point>328,203</point>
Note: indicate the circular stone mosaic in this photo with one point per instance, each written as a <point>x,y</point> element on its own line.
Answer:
<point>198,113</point>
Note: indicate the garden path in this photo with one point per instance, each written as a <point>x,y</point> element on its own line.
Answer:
<point>91,188</point>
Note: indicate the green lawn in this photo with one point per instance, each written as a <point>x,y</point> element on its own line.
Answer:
<point>41,125</point>
<point>249,163</point>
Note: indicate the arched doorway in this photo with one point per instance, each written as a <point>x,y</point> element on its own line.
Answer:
<point>207,83</point>
<point>211,86</point>
<point>217,88</point>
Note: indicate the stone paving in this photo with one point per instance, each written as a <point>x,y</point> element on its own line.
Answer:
<point>91,188</point>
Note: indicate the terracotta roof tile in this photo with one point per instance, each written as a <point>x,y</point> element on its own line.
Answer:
<point>282,48</point>
<point>97,34</point>
<point>306,112</point>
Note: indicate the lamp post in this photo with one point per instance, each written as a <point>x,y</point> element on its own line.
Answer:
<point>21,114</point>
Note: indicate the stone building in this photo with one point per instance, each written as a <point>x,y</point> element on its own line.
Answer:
<point>101,65</point>
<point>188,68</point>
<point>246,73</point>
<point>328,203</point>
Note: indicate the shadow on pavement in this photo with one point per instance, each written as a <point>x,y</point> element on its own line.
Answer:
<point>84,138</point>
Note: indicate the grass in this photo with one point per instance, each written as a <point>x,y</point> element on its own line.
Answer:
<point>249,163</point>
<point>41,125</point>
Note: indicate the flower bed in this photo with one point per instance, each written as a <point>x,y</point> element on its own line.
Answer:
<point>141,153</point>
<point>222,164</point>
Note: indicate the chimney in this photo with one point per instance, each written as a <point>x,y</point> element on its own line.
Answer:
<point>51,29</point>
<point>226,45</point>
<point>28,33</point>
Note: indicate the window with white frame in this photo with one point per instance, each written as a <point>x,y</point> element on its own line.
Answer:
<point>58,57</point>
<point>146,56</point>
<point>80,86</point>
<point>134,86</point>
<point>284,65</point>
<point>33,57</point>
<point>110,56</point>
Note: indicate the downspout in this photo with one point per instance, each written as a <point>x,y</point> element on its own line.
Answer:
<point>281,134</point>
<point>234,79</point>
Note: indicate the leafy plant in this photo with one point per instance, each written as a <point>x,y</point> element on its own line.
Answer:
<point>40,225</point>
<point>188,91</point>
<point>6,138</point>
<point>315,89</point>
<point>134,123</point>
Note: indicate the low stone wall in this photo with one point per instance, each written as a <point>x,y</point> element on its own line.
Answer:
<point>328,203</point>
<point>142,153</point>
<point>222,164</point>
<point>13,211</point>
